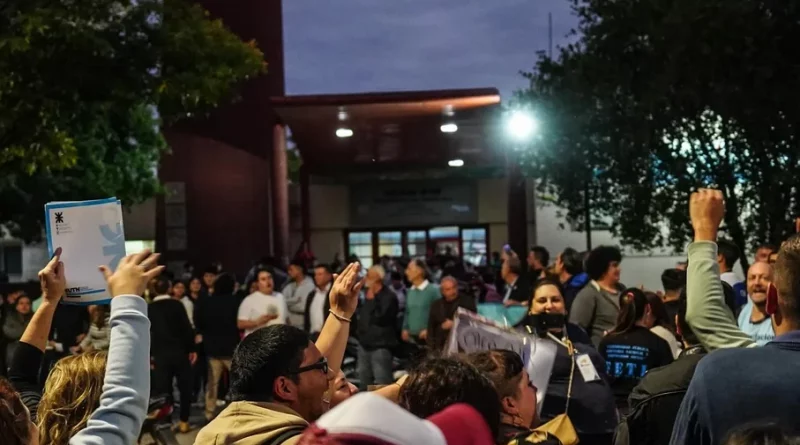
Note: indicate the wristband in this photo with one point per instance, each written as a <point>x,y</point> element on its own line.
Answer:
<point>340,317</point>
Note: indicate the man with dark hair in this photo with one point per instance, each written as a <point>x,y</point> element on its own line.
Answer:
<point>279,378</point>
<point>656,399</point>
<point>172,348</point>
<point>316,302</point>
<point>209,275</point>
<point>735,386</point>
<point>674,281</point>
<point>216,322</point>
<point>296,292</point>
<point>437,383</point>
<point>518,291</point>
<point>727,256</point>
<point>538,260</point>
<point>596,306</point>
<point>569,267</point>
<point>764,251</point>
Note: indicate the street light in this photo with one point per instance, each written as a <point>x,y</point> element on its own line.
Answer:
<point>521,125</point>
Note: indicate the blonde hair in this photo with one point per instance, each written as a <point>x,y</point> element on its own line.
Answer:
<point>71,394</point>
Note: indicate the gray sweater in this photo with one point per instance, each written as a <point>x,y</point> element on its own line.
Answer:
<point>595,310</point>
<point>126,388</point>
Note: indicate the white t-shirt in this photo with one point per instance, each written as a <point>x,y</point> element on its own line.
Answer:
<point>257,304</point>
<point>188,304</point>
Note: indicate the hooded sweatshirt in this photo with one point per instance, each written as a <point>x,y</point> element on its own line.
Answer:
<point>251,423</point>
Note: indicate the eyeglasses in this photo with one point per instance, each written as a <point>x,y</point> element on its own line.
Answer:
<point>321,365</point>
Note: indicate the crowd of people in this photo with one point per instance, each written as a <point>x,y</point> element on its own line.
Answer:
<point>694,363</point>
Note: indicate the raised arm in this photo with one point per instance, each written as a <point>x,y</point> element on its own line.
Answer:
<point>27,359</point>
<point>126,388</point>
<point>708,316</point>
<point>343,299</point>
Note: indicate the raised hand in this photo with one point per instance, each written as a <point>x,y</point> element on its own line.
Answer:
<point>344,292</point>
<point>132,274</point>
<point>706,209</point>
<point>52,280</point>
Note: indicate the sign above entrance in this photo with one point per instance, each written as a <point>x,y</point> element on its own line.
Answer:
<point>417,203</point>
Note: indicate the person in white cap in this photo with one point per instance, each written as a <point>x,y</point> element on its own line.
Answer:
<point>363,420</point>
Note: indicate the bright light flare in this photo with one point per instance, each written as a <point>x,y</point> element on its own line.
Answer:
<point>521,125</point>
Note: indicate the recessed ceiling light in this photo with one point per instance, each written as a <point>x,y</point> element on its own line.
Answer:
<point>344,132</point>
<point>455,163</point>
<point>449,128</point>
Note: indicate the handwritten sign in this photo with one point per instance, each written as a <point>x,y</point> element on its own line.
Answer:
<point>472,333</point>
<point>90,234</point>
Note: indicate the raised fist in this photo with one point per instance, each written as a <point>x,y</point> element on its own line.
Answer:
<point>706,210</point>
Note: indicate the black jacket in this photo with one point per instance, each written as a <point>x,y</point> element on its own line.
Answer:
<point>655,402</point>
<point>442,310</point>
<point>520,290</point>
<point>171,333</point>
<point>68,323</point>
<point>377,320</point>
<point>309,301</point>
<point>215,319</point>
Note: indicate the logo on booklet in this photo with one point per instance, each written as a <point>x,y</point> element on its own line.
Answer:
<point>62,227</point>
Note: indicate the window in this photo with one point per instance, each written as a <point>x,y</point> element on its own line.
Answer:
<point>389,244</point>
<point>11,259</point>
<point>360,245</point>
<point>416,243</point>
<point>445,240</point>
<point>474,245</point>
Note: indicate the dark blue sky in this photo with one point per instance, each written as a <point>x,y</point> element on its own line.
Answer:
<point>341,46</point>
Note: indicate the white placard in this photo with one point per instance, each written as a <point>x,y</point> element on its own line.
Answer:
<point>90,234</point>
<point>472,332</point>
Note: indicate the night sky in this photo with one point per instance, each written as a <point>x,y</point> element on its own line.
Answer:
<point>342,46</point>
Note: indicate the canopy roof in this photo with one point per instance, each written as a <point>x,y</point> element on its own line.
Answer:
<point>393,131</point>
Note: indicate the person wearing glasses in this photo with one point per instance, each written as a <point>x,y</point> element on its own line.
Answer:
<point>280,379</point>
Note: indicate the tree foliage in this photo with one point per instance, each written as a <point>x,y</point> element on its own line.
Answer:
<point>655,98</point>
<point>85,87</point>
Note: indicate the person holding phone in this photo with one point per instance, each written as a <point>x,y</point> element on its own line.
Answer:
<point>592,408</point>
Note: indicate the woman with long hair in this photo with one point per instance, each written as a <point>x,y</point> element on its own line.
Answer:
<point>89,399</point>
<point>662,325</point>
<point>71,394</point>
<point>631,349</point>
<point>16,427</point>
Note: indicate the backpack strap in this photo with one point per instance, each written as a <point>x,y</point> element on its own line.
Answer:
<point>286,435</point>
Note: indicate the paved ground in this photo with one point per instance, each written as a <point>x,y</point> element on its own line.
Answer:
<point>187,439</point>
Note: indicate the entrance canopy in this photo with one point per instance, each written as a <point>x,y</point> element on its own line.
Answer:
<point>394,130</point>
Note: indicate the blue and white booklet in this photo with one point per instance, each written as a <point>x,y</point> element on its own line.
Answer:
<point>90,234</point>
